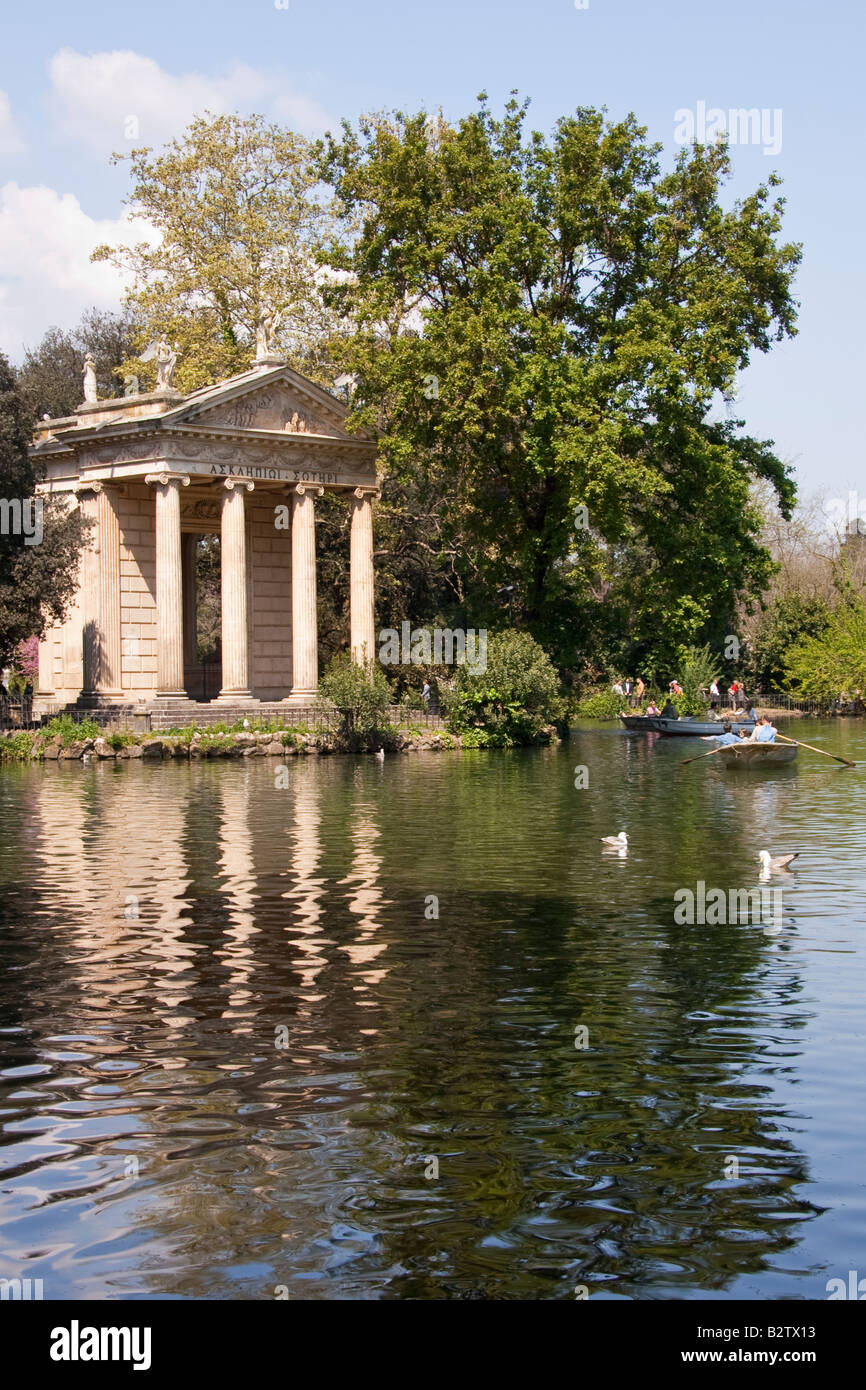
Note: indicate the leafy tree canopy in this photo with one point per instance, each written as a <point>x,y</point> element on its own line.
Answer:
<point>834,661</point>
<point>37,581</point>
<point>547,325</point>
<point>51,378</point>
<point>235,220</point>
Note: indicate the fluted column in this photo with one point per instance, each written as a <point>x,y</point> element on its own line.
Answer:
<point>88,500</point>
<point>108,674</point>
<point>169,585</point>
<point>233,588</point>
<point>305,639</point>
<point>362,631</point>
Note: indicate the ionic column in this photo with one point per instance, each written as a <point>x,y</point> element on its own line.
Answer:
<point>305,639</point>
<point>88,500</point>
<point>233,587</point>
<point>108,676</point>
<point>362,621</point>
<point>169,585</point>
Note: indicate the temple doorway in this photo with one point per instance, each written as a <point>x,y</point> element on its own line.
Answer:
<point>201,615</point>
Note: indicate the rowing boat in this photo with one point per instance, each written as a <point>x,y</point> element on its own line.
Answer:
<point>750,755</point>
<point>642,723</point>
<point>698,728</point>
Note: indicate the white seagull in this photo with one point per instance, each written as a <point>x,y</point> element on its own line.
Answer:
<point>769,865</point>
<point>380,754</point>
<point>619,841</point>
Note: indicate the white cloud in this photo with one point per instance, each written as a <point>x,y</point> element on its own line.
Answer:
<point>113,101</point>
<point>46,275</point>
<point>11,142</point>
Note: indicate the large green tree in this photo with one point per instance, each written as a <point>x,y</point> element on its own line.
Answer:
<point>543,326</point>
<point>37,580</point>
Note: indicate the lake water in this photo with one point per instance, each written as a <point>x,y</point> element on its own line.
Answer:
<point>242,1057</point>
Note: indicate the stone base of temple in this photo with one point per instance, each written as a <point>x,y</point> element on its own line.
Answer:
<point>102,699</point>
<point>180,713</point>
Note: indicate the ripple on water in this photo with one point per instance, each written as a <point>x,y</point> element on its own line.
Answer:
<point>285,1070</point>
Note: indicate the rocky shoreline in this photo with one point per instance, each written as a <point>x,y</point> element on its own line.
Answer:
<point>202,743</point>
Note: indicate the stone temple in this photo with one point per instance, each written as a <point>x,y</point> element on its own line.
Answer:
<point>245,460</point>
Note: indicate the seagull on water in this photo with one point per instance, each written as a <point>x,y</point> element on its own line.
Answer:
<point>619,841</point>
<point>770,865</point>
<point>380,754</point>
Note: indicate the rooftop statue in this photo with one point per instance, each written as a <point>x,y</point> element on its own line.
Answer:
<point>90,378</point>
<point>166,361</point>
<point>266,329</point>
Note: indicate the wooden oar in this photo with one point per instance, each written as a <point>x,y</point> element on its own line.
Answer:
<point>846,761</point>
<point>683,761</point>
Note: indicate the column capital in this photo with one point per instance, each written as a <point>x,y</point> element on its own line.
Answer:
<point>93,486</point>
<point>231,483</point>
<point>369,492</point>
<point>300,489</point>
<point>182,479</point>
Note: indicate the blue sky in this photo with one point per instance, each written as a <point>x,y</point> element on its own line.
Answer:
<point>71,75</point>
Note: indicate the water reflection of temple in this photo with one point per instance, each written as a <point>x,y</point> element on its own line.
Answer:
<point>188,912</point>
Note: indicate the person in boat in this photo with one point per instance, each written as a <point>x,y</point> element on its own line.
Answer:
<point>744,735</point>
<point>763,732</point>
<point>670,711</point>
<point>652,709</point>
<point>724,739</point>
<point>752,714</point>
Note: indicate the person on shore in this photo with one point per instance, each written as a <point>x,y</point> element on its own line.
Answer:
<point>725,738</point>
<point>639,691</point>
<point>675,688</point>
<point>426,693</point>
<point>617,688</point>
<point>763,732</point>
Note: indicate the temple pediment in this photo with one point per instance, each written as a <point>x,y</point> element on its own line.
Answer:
<point>279,401</point>
<point>270,425</point>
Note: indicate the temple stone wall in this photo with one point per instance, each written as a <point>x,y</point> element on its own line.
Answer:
<point>137,518</point>
<point>270,599</point>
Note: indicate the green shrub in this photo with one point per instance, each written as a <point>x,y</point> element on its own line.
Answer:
<point>69,730</point>
<point>601,704</point>
<point>119,739</point>
<point>514,699</point>
<point>20,747</point>
<point>698,669</point>
<point>360,692</point>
